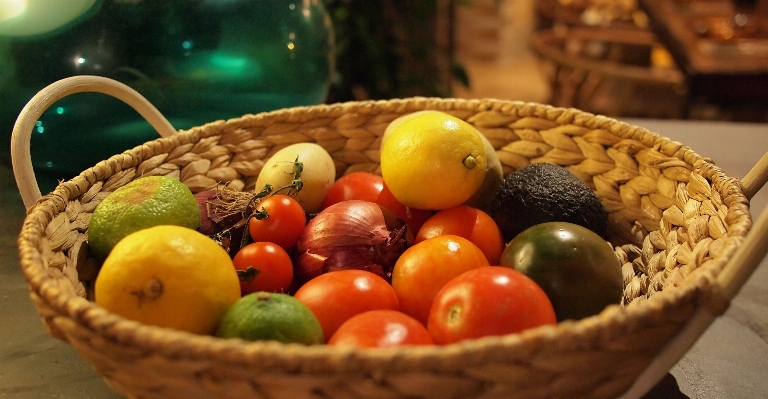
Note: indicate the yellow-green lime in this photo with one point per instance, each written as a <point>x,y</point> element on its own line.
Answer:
<point>145,202</point>
<point>265,316</point>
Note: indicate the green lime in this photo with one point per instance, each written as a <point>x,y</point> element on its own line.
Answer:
<point>266,316</point>
<point>145,202</point>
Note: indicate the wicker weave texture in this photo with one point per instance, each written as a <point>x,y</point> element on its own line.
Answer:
<point>675,220</point>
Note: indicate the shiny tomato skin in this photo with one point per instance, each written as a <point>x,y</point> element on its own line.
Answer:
<point>488,301</point>
<point>336,296</point>
<point>470,223</point>
<point>413,217</point>
<point>422,270</point>
<point>381,329</point>
<point>367,186</point>
<point>284,223</point>
<point>577,268</point>
<point>354,186</point>
<point>271,268</point>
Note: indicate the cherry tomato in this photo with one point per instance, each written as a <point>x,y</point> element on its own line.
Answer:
<point>263,266</point>
<point>470,223</point>
<point>575,267</point>
<point>279,219</point>
<point>370,187</point>
<point>336,296</point>
<point>493,300</point>
<point>413,217</point>
<point>422,270</point>
<point>381,329</point>
<point>356,185</point>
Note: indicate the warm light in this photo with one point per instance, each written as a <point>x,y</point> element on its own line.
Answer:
<point>291,46</point>
<point>10,9</point>
<point>35,17</point>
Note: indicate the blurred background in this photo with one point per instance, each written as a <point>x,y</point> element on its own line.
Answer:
<point>203,60</point>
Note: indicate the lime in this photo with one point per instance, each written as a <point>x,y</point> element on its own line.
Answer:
<point>266,316</point>
<point>144,202</point>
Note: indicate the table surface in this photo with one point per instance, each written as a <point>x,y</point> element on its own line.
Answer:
<point>728,361</point>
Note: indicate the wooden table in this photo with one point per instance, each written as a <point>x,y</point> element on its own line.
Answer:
<point>728,362</point>
<point>726,64</point>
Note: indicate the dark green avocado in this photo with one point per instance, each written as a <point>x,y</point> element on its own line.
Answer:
<point>545,192</point>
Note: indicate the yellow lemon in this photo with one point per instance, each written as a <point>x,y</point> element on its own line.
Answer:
<point>145,202</point>
<point>494,176</point>
<point>169,276</point>
<point>433,161</point>
<point>399,121</point>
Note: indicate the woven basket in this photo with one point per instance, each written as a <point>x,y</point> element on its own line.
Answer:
<point>676,223</point>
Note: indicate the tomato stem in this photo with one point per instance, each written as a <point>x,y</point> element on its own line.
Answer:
<point>248,274</point>
<point>454,312</point>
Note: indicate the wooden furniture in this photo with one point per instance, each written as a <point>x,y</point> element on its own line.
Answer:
<point>722,47</point>
<point>609,71</point>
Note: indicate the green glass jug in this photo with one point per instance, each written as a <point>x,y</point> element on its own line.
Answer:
<point>197,61</point>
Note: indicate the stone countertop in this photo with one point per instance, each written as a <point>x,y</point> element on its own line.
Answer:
<point>728,361</point>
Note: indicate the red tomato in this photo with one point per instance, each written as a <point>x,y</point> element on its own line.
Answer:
<point>263,266</point>
<point>381,329</point>
<point>492,300</point>
<point>336,296</point>
<point>470,223</point>
<point>422,270</point>
<point>280,219</point>
<point>356,185</point>
<point>370,187</point>
<point>413,217</point>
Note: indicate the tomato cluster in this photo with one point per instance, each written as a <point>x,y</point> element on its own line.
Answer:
<point>447,285</point>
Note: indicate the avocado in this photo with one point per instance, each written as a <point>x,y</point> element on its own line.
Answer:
<point>545,192</point>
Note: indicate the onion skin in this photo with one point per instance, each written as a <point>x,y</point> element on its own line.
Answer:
<point>207,225</point>
<point>229,230</point>
<point>351,234</point>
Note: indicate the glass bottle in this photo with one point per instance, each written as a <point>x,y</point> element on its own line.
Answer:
<point>197,61</point>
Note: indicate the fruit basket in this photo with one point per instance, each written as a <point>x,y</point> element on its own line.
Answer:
<point>681,228</point>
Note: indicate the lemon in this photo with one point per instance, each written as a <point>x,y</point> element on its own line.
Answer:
<point>270,316</point>
<point>399,121</point>
<point>169,276</point>
<point>433,161</point>
<point>494,176</point>
<point>145,202</point>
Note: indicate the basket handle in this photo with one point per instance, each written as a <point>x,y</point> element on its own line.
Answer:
<point>21,158</point>
<point>735,274</point>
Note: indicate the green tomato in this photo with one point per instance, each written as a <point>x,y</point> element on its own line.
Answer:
<point>574,266</point>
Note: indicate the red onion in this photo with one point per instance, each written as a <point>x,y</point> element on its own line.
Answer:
<point>351,234</point>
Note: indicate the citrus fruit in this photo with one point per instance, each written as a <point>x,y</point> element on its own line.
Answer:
<point>168,276</point>
<point>399,121</point>
<point>494,175</point>
<point>433,161</point>
<point>145,202</point>
<point>265,316</point>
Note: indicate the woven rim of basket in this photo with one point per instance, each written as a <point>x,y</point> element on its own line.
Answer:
<point>612,322</point>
